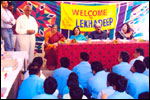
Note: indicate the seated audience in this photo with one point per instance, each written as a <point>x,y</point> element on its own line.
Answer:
<point>123,68</point>
<point>83,70</point>
<point>138,55</point>
<point>50,86</point>
<point>146,61</point>
<point>120,85</point>
<point>76,35</point>
<point>110,82</point>
<point>72,81</point>
<point>33,85</point>
<point>138,82</point>
<point>76,93</point>
<point>98,33</point>
<point>61,74</point>
<point>99,81</point>
<point>144,95</point>
<point>38,60</point>
<point>125,32</point>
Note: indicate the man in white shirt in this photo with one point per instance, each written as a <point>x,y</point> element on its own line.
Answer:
<point>138,55</point>
<point>26,27</point>
<point>7,21</point>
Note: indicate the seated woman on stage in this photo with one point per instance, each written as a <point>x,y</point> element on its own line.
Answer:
<point>76,35</point>
<point>125,32</point>
<point>51,42</point>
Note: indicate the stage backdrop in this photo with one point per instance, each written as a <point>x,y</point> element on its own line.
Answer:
<point>46,13</point>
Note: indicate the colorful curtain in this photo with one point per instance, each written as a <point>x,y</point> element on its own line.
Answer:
<point>47,13</point>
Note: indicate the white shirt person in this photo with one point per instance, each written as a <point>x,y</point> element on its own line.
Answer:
<point>26,27</point>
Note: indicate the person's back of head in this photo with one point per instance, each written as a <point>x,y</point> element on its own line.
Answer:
<point>139,66</point>
<point>121,84</point>
<point>34,68</point>
<point>84,56</point>
<point>146,61</point>
<point>72,83</point>
<point>76,93</point>
<point>124,56</point>
<point>65,62</point>
<point>96,66</point>
<point>144,95</point>
<point>38,60</point>
<point>50,85</point>
<point>73,75</point>
<point>111,78</point>
<point>140,50</point>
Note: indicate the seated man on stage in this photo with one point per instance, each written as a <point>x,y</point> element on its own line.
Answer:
<point>98,33</point>
<point>125,32</point>
<point>51,42</point>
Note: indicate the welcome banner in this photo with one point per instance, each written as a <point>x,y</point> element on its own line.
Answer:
<point>85,17</point>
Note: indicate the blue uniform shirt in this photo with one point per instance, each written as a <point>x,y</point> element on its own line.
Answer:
<point>120,95</point>
<point>137,83</point>
<point>80,37</point>
<point>97,83</point>
<point>146,72</point>
<point>122,69</point>
<point>31,87</point>
<point>84,73</point>
<point>45,96</point>
<point>61,75</point>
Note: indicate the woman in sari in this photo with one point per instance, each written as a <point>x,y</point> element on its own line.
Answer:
<point>50,47</point>
<point>126,32</point>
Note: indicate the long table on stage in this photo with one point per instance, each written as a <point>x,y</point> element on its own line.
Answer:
<point>102,51</point>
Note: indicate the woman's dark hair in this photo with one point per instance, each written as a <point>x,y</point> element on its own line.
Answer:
<point>128,27</point>
<point>74,30</point>
<point>73,75</point>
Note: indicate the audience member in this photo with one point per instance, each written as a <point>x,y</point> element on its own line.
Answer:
<point>72,81</point>
<point>138,82</point>
<point>144,95</point>
<point>61,74</point>
<point>120,86</point>
<point>110,82</point>
<point>123,68</point>
<point>72,84</point>
<point>50,86</point>
<point>33,85</point>
<point>99,81</point>
<point>76,93</point>
<point>138,55</point>
<point>83,70</point>
<point>146,61</point>
<point>38,60</point>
